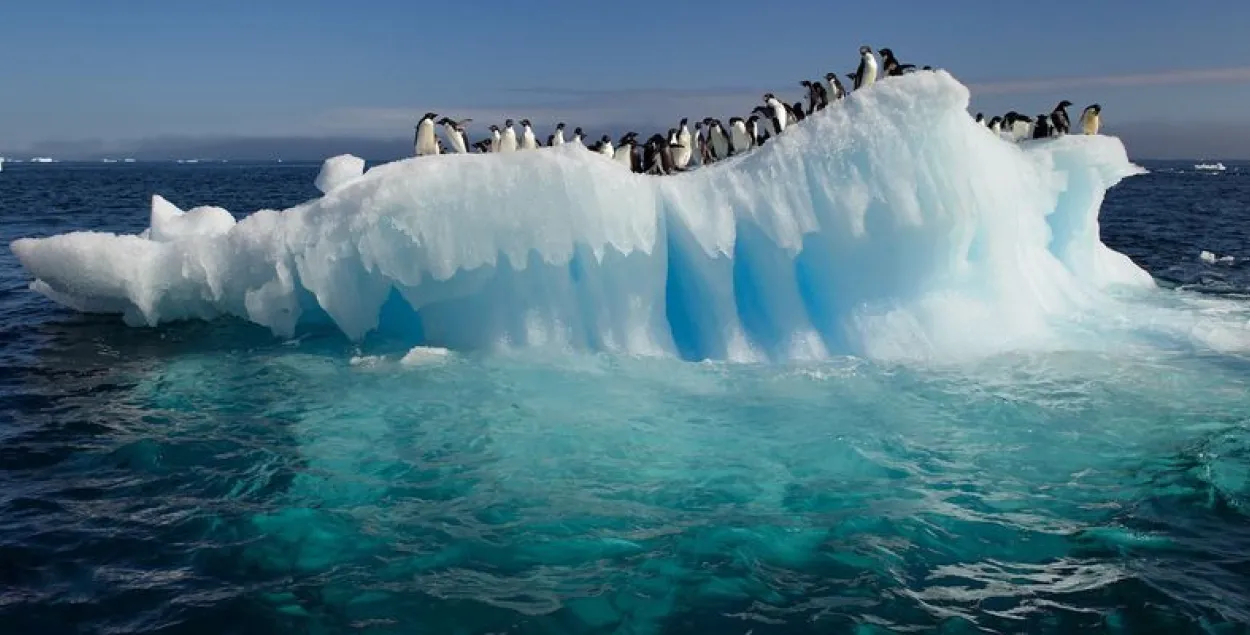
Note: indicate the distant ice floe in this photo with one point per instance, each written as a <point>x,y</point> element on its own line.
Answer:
<point>1211,258</point>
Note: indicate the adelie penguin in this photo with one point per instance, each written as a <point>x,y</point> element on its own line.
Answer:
<point>890,66</point>
<point>557,139</point>
<point>507,141</point>
<point>1041,129</point>
<point>981,119</point>
<point>780,113</point>
<point>1090,119</point>
<point>866,74</point>
<point>425,142</point>
<point>496,138</point>
<point>683,154</point>
<point>528,141</point>
<point>604,146</point>
<point>717,139</point>
<point>1059,118</point>
<point>739,139</point>
<point>456,134</point>
<point>996,124</point>
<point>817,97</point>
<point>836,89</point>
<point>578,138</point>
<point>624,152</point>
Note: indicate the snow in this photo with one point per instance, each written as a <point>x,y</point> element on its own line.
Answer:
<point>889,226</point>
<point>338,171</point>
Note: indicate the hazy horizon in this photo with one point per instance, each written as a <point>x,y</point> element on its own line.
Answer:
<point>240,78</point>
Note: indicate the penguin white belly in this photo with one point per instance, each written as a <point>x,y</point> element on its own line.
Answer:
<point>455,139</point>
<point>720,146</point>
<point>508,142</point>
<point>681,156</point>
<point>528,142</point>
<point>1089,123</point>
<point>607,150</point>
<point>623,156</point>
<point>427,142</point>
<point>870,72</point>
<point>780,116</point>
<point>558,140</point>
<point>742,141</point>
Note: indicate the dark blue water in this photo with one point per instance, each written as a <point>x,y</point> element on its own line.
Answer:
<point>210,478</point>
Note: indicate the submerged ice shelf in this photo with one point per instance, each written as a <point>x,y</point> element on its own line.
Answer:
<point>890,225</point>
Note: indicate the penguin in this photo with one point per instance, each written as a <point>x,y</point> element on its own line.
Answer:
<point>836,89</point>
<point>551,140</point>
<point>717,139</point>
<point>754,130</point>
<point>699,148</point>
<point>866,74</point>
<point>624,153</point>
<point>996,124</point>
<point>683,154</point>
<point>1017,125</point>
<point>822,96</point>
<point>890,66</point>
<point>557,139</point>
<point>666,152</point>
<point>1041,129</point>
<point>456,135</point>
<point>796,112</point>
<point>981,118</point>
<point>528,142</point>
<point>495,138</point>
<point>1090,119</point>
<point>577,137</point>
<point>425,142</point>
<point>483,146</point>
<point>780,115</point>
<point>507,142</point>
<point>652,163</point>
<point>813,99</point>
<point>1059,118</point>
<point>605,146</point>
<point>739,139</point>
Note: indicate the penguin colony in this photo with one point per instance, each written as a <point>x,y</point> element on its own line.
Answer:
<point>711,140</point>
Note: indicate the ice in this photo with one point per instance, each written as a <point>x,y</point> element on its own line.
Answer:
<point>338,171</point>
<point>1210,258</point>
<point>888,226</point>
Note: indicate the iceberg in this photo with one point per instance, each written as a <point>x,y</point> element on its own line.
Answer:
<point>889,225</point>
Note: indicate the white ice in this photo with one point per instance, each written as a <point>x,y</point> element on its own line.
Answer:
<point>890,225</point>
<point>338,171</point>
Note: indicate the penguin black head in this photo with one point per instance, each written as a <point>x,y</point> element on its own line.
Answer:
<point>865,50</point>
<point>683,121</point>
<point>507,123</point>
<point>707,120</point>
<point>805,83</point>
<point>733,120</point>
<point>560,126</point>
<point>980,116</point>
<point>525,122</point>
<point>1064,104</point>
<point>429,115</point>
<point>1041,118</point>
<point>577,130</point>
<point>768,96</point>
<point>494,128</point>
<point>1094,107</point>
<point>831,76</point>
<point>605,139</point>
<point>886,52</point>
<point>927,68</point>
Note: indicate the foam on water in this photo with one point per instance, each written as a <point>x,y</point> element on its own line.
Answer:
<point>888,226</point>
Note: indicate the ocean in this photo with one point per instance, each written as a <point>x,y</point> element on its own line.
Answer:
<point>209,477</point>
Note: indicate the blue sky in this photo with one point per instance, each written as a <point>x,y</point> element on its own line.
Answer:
<point>114,69</point>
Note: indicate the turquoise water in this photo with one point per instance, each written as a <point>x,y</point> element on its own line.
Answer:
<point>209,477</point>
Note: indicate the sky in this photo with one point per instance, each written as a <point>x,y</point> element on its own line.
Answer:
<point>89,76</point>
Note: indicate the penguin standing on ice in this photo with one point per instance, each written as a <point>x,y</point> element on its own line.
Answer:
<point>996,124</point>
<point>528,141</point>
<point>780,115</point>
<point>981,118</point>
<point>685,150</point>
<point>495,138</point>
<point>577,137</point>
<point>698,149</point>
<point>425,142</point>
<point>605,148</point>
<point>456,134</point>
<point>624,152</point>
<point>483,146</point>
<point>557,139</point>
<point>866,74</point>
<point>717,139</point>
<point>1090,119</point>
<point>1059,118</point>
<point>836,89</point>
<point>739,138</point>
<point>1041,129</point>
<point>507,141</point>
<point>890,66</point>
<point>796,113</point>
<point>817,98</point>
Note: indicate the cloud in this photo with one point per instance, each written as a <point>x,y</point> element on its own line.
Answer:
<point>1159,78</point>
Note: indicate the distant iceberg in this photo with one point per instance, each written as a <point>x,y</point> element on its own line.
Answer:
<point>889,225</point>
<point>1214,167</point>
